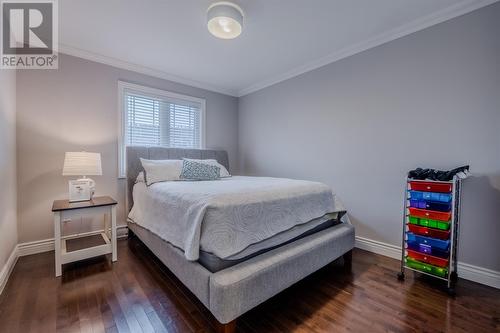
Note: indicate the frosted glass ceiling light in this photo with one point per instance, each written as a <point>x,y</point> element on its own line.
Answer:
<point>225,20</point>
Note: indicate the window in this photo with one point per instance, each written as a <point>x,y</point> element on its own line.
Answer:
<point>152,117</point>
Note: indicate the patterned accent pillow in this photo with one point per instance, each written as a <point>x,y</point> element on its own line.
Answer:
<point>199,171</point>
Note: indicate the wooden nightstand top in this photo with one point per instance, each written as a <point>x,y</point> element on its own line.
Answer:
<point>61,205</point>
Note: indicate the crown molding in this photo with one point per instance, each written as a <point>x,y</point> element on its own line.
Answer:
<point>446,14</point>
<point>76,52</point>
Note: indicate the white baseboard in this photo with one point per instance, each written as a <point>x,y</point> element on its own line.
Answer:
<point>477,274</point>
<point>7,268</point>
<point>29,248</point>
<point>381,248</point>
<point>465,271</point>
<point>46,245</point>
<point>122,231</point>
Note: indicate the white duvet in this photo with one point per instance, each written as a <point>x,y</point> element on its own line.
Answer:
<point>225,216</point>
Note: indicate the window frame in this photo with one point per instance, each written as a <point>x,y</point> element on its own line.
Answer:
<point>123,87</point>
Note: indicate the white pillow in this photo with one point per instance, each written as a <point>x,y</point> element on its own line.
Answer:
<point>223,171</point>
<point>140,178</point>
<point>161,170</point>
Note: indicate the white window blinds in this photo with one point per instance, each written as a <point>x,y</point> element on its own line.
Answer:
<point>160,122</point>
<point>158,118</point>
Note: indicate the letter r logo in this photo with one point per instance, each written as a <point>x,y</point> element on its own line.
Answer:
<point>27,27</point>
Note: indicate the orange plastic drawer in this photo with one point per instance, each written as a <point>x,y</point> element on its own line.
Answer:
<point>430,214</point>
<point>430,187</point>
<point>441,234</point>
<point>428,259</point>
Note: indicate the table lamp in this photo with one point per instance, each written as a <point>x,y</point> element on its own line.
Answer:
<point>82,164</point>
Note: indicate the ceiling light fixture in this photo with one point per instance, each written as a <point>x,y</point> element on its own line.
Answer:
<point>225,19</point>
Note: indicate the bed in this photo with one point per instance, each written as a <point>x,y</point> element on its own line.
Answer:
<point>235,242</point>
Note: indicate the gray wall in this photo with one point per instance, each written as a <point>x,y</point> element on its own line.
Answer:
<point>430,99</point>
<point>8,209</point>
<point>75,108</point>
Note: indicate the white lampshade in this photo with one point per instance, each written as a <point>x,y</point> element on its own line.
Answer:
<point>225,20</point>
<point>82,164</point>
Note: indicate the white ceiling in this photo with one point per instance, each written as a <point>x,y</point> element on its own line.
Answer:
<point>280,39</point>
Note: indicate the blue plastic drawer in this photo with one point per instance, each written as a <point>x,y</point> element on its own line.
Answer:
<point>430,196</point>
<point>439,206</point>
<point>431,205</point>
<point>440,244</point>
<point>427,249</point>
<point>416,203</point>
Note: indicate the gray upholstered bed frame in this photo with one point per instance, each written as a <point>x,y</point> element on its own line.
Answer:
<point>235,290</point>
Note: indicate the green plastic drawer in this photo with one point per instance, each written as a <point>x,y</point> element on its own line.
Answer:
<point>427,268</point>
<point>430,223</point>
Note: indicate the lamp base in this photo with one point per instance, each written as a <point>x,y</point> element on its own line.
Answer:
<point>91,183</point>
<point>81,189</point>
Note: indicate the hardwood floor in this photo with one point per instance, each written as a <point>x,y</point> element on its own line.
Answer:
<point>138,294</point>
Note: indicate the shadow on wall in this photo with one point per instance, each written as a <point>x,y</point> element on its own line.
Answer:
<point>375,233</point>
<point>480,221</point>
<point>40,180</point>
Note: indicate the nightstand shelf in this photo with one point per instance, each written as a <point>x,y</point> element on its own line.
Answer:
<point>89,252</point>
<point>94,243</point>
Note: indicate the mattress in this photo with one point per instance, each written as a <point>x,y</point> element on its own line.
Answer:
<point>215,264</point>
<point>228,216</point>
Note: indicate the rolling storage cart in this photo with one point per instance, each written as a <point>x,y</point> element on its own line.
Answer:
<point>430,229</point>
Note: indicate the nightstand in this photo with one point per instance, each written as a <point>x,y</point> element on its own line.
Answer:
<point>69,248</point>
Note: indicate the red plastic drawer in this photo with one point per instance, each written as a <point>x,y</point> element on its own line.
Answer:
<point>430,214</point>
<point>441,234</point>
<point>431,187</point>
<point>428,259</point>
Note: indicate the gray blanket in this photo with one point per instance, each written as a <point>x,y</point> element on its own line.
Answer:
<point>226,216</point>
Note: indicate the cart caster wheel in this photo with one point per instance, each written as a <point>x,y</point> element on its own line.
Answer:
<point>401,276</point>
<point>454,277</point>
<point>451,292</point>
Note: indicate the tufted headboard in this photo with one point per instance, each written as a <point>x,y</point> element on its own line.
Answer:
<point>135,153</point>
